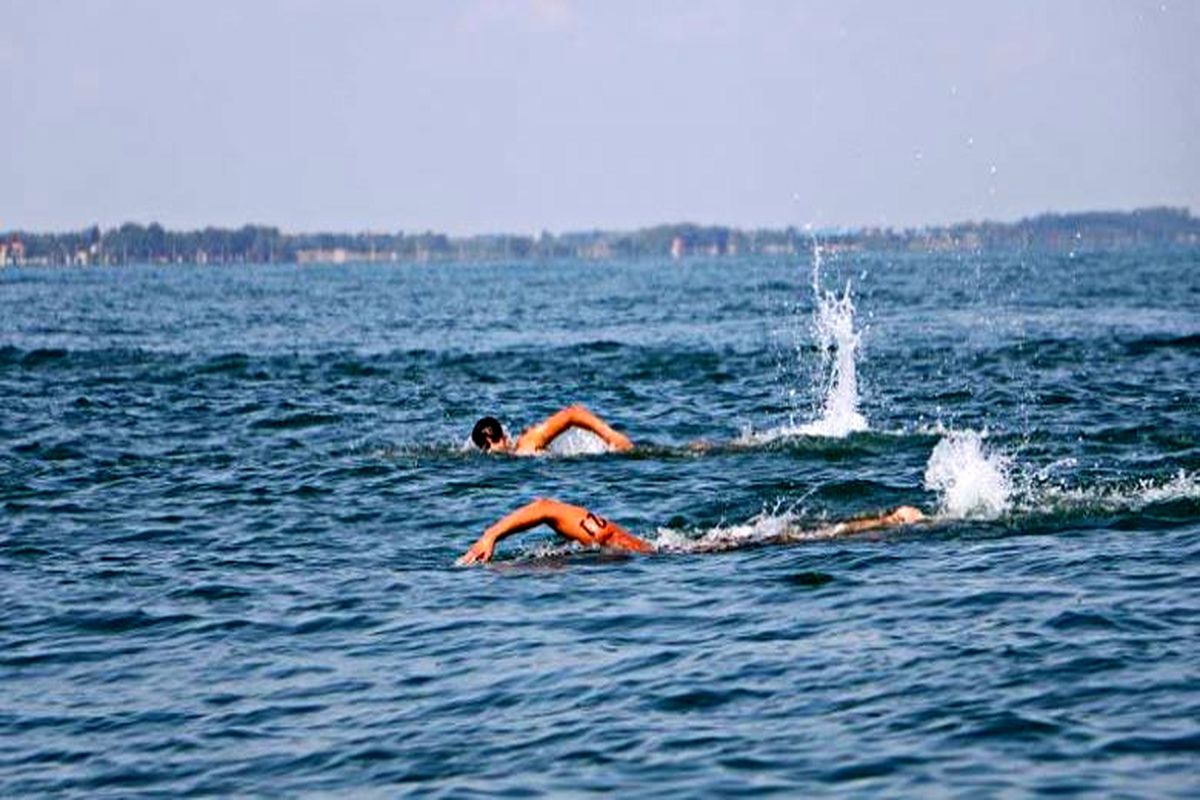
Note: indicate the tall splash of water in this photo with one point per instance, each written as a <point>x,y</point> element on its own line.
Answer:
<point>833,330</point>
<point>970,481</point>
<point>837,342</point>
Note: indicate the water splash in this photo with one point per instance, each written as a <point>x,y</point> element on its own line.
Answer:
<point>970,481</point>
<point>577,442</point>
<point>1068,500</point>
<point>1183,486</point>
<point>762,528</point>
<point>838,343</point>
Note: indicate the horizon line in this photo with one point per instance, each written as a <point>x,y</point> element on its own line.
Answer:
<point>806,227</point>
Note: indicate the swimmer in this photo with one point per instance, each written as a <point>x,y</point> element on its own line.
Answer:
<point>489,436</point>
<point>592,530</point>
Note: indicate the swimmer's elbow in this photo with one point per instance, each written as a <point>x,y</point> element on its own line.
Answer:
<point>544,506</point>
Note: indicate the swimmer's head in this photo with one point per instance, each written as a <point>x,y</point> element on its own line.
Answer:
<point>488,435</point>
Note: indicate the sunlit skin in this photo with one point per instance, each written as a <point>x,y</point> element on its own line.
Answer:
<point>902,515</point>
<point>592,530</point>
<point>571,522</point>
<point>539,437</point>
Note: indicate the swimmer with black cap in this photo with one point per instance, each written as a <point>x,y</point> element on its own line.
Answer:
<point>489,436</point>
<point>592,530</point>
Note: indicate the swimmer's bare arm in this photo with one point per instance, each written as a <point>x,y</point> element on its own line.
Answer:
<point>539,436</point>
<point>572,522</point>
<point>904,515</point>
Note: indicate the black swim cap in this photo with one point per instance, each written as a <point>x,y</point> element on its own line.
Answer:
<point>487,432</point>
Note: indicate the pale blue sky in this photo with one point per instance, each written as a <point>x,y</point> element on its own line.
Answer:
<point>480,116</point>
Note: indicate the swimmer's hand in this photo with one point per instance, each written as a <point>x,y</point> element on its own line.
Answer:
<point>479,553</point>
<point>619,442</point>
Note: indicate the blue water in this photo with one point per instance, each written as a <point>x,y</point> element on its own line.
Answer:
<point>231,499</point>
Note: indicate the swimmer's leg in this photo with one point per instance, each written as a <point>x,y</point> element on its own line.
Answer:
<point>904,515</point>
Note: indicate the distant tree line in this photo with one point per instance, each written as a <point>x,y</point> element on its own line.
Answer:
<point>134,243</point>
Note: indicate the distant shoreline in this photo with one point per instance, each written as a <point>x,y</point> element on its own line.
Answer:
<point>134,243</point>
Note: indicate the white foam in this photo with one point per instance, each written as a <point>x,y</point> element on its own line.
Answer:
<point>577,442</point>
<point>829,428</point>
<point>724,537</point>
<point>767,527</point>
<point>1107,499</point>
<point>970,481</point>
<point>1183,486</point>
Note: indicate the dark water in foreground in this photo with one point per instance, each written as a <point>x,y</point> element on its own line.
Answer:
<point>230,500</point>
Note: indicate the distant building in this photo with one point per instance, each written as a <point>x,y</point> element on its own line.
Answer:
<point>778,249</point>
<point>16,251</point>
<point>597,251</point>
<point>336,255</point>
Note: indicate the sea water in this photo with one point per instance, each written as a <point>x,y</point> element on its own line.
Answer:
<point>231,499</point>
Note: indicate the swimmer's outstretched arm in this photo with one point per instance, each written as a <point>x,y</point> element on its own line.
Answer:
<point>539,436</point>
<point>572,522</point>
<point>903,515</point>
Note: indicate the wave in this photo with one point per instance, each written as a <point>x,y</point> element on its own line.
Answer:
<point>576,443</point>
<point>975,481</point>
<point>967,495</point>
<point>1149,344</point>
<point>811,437</point>
<point>763,529</point>
<point>636,361</point>
<point>979,503</point>
<point>53,357</point>
<point>303,419</point>
<point>1126,497</point>
<point>836,426</point>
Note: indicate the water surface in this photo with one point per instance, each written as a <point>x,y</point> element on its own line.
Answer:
<point>231,499</point>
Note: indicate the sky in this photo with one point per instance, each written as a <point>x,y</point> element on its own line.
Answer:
<point>483,116</point>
